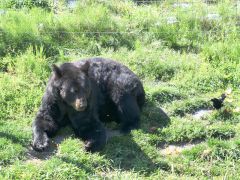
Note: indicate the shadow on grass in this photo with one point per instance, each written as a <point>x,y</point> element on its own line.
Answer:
<point>125,154</point>
<point>122,151</point>
<point>153,117</point>
<point>77,163</point>
<point>13,138</point>
<point>53,146</point>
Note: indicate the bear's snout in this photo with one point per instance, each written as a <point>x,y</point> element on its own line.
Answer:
<point>80,104</point>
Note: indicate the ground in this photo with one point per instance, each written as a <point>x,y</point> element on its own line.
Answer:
<point>185,54</point>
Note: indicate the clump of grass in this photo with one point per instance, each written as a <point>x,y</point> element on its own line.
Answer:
<point>222,150</point>
<point>17,37</point>
<point>154,63</point>
<point>183,131</point>
<point>26,4</point>
<point>163,94</point>
<point>10,150</point>
<point>186,131</point>
<point>14,141</point>
<point>28,74</point>
<point>76,155</point>
<point>221,131</point>
<point>189,106</point>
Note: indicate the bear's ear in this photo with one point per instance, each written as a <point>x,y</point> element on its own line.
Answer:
<point>56,71</point>
<point>85,67</point>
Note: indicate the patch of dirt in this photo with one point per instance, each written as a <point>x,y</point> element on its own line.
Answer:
<point>34,156</point>
<point>175,149</point>
<point>202,113</point>
<point>38,157</point>
<point>34,161</point>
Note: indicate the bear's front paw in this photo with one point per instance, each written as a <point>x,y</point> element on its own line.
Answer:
<point>89,145</point>
<point>96,140</point>
<point>40,143</point>
<point>93,146</point>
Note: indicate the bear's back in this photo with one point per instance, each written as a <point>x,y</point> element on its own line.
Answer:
<point>111,75</point>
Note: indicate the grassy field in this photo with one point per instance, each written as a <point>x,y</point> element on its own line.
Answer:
<point>185,54</point>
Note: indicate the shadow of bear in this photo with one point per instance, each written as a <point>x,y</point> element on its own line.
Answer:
<point>123,151</point>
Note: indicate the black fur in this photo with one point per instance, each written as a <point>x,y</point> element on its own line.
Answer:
<point>86,93</point>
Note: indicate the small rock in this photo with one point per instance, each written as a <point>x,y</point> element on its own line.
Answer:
<point>228,91</point>
<point>172,20</point>
<point>205,153</point>
<point>201,113</point>
<point>2,12</point>
<point>214,16</point>
<point>236,110</point>
<point>72,4</point>
<point>182,5</point>
<point>41,27</point>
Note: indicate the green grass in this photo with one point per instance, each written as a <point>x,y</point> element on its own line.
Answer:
<point>182,65</point>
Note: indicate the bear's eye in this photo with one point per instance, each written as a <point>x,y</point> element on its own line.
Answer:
<point>73,90</point>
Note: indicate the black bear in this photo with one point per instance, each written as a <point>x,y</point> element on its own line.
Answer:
<point>84,94</point>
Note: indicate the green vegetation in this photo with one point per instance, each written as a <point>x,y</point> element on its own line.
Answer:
<point>185,55</point>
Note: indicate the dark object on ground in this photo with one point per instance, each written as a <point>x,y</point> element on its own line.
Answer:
<point>85,94</point>
<point>218,102</point>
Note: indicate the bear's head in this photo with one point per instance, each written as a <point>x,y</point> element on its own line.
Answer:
<point>73,84</point>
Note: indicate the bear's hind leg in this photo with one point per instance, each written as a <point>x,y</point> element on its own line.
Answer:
<point>94,134</point>
<point>128,113</point>
<point>96,140</point>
